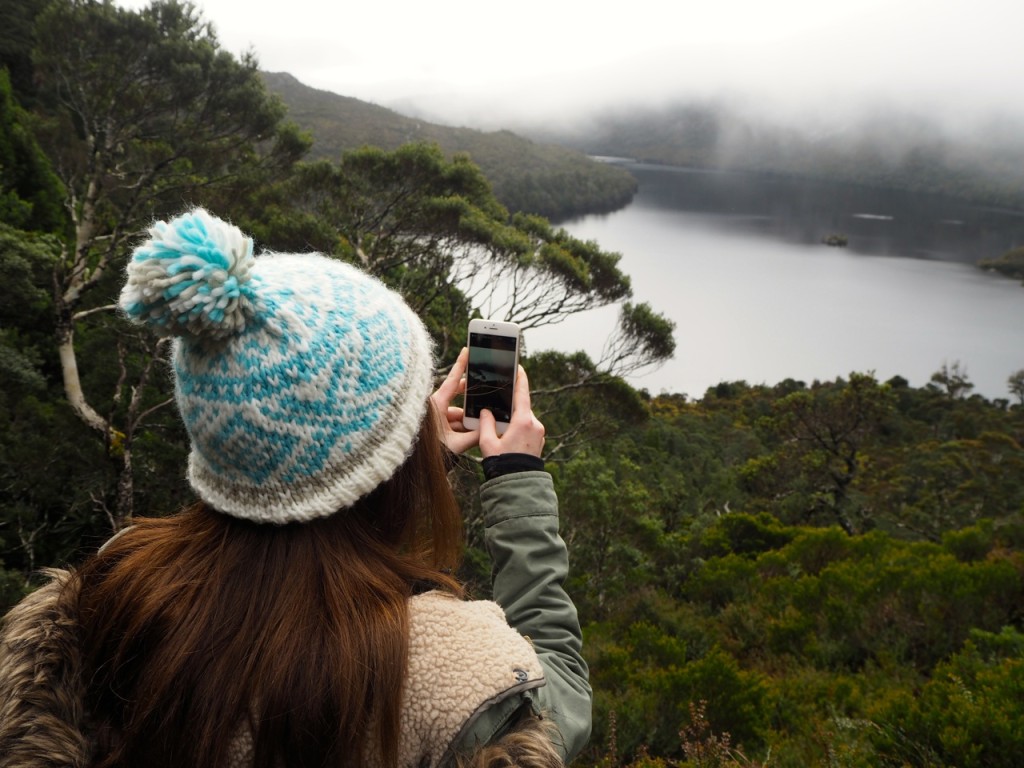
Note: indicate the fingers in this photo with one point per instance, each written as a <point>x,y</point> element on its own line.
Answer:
<point>460,442</point>
<point>487,423</point>
<point>453,384</point>
<point>521,393</point>
<point>525,434</point>
<point>454,381</point>
<point>453,432</point>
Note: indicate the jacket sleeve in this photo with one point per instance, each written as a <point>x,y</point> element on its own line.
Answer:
<point>529,566</point>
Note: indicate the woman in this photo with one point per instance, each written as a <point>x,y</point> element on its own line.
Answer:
<point>303,612</point>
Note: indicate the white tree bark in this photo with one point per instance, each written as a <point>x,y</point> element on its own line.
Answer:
<point>73,385</point>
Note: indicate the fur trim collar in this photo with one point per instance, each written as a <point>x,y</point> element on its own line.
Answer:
<point>41,694</point>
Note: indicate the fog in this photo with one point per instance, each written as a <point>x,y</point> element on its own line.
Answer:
<point>499,65</point>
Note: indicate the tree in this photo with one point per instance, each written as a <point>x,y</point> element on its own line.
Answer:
<point>36,444</point>
<point>16,40</point>
<point>823,431</point>
<point>953,379</point>
<point>1016,385</point>
<point>145,112</point>
<point>433,230</point>
<point>30,201</point>
<point>31,195</point>
<point>604,506</point>
<point>643,338</point>
<point>579,403</point>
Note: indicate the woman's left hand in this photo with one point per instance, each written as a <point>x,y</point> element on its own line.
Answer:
<point>454,435</point>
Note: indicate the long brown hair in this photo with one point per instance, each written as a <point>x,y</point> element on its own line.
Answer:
<point>199,628</point>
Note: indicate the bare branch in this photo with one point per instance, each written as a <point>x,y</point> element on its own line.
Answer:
<point>95,310</point>
<point>149,411</point>
<point>133,420</point>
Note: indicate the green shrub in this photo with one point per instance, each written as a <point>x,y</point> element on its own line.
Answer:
<point>968,715</point>
<point>970,544</point>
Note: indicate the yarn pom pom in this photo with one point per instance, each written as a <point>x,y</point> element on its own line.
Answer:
<point>191,277</point>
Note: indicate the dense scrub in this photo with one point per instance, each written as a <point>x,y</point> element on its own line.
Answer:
<point>737,607</point>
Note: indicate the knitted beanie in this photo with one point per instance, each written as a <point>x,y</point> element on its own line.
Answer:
<point>302,381</point>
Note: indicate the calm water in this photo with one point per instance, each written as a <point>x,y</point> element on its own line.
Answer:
<point>737,262</point>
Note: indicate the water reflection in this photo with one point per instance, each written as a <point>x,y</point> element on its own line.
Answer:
<point>737,262</point>
<point>879,222</point>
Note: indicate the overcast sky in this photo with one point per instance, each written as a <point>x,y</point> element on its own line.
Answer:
<point>482,62</point>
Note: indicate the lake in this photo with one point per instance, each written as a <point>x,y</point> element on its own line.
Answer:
<point>737,261</point>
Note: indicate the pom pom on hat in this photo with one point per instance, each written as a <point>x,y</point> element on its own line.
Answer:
<point>191,277</point>
<point>302,381</point>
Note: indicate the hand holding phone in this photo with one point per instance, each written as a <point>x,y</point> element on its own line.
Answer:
<point>454,434</point>
<point>525,433</point>
<point>491,372</point>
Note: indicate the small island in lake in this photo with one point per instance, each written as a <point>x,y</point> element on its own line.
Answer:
<point>1010,264</point>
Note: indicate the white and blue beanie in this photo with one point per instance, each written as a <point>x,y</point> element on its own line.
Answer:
<point>302,381</point>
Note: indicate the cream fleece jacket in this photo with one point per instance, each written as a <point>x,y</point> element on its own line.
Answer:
<point>463,659</point>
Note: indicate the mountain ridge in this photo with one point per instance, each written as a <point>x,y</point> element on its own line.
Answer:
<point>526,175</point>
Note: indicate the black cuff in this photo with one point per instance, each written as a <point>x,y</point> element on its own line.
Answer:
<point>507,463</point>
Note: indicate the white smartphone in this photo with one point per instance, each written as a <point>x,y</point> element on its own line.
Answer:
<point>491,372</point>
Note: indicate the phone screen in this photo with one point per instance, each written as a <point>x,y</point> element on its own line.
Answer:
<point>492,367</point>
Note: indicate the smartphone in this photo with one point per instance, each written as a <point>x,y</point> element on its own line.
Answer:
<point>491,372</point>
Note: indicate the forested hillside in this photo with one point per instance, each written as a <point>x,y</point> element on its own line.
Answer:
<point>545,179</point>
<point>802,574</point>
<point>890,149</point>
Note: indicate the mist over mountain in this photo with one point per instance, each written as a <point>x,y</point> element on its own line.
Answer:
<point>542,165</point>
<point>557,182</point>
<point>981,160</point>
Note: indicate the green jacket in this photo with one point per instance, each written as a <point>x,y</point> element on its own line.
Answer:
<point>529,565</point>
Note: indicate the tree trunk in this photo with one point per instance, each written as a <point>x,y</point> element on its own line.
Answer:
<point>69,367</point>
<point>125,489</point>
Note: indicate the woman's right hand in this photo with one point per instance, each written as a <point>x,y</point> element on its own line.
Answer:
<point>525,433</point>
